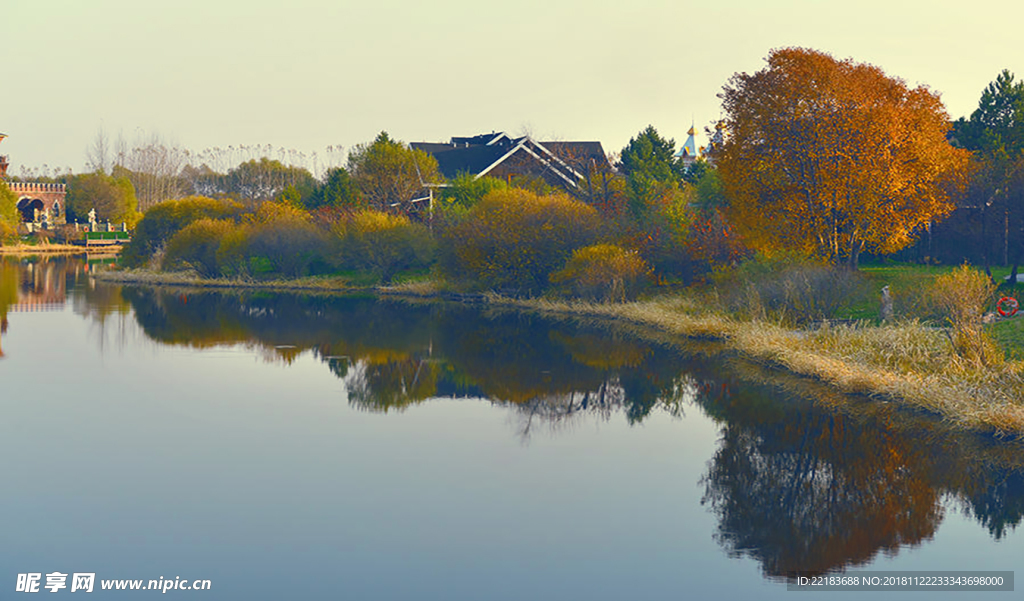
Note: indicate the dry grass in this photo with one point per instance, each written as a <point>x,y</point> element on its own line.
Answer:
<point>906,362</point>
<point>191,279</point>
<point>413,288</point>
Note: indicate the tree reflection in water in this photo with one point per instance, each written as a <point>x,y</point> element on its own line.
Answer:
<point>813,492</point>
<point>802,482</point>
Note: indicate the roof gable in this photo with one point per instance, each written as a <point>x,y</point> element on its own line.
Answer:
<point>479,155</point>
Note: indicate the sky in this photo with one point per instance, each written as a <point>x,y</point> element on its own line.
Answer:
<point>309,74</point>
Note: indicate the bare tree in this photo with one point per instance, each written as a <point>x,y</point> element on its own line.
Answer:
<point>97,155</point>
<point>154,167</point>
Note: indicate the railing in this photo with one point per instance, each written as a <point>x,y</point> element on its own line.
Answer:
<point>28,187</point>
<point>106,238</point>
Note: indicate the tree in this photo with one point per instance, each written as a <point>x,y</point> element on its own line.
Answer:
<point>264,179</point>
<point>9,217</point>
<point>465,191</point>
<point>832,158</point>
<point>996,127</point>
<point>154,168</point>
<point>338,191</point>
<point>995,132</point>
<point>97,155</point>
<point>112,197</point>
<point>514,239</point>
<point>649,167</point>
<point>388,174</point>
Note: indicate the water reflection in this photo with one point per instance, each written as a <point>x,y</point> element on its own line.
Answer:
<point>392,355</point>
<point>807,492</point>
<point>35,284</point>
<point>802,481</point>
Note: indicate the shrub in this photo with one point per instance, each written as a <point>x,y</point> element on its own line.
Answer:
<point>286,239</point>
<point>787,288</point>
<point>516,239</point>
<point>9,216</point>
<point>196,247</point>
<point>164,220</point>
<point>383,244</point>
<point>603,272</point>
<point>713,243</point>
<point>42,236</point>
<point>964,294</point>
<point>232,255</point>
<point>8,233</point>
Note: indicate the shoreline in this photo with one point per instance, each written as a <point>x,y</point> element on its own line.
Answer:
<point>981,400</point>
<point>59,249</point>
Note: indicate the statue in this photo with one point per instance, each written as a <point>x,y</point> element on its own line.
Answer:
<point>886,309</point>
<point>92,220</point>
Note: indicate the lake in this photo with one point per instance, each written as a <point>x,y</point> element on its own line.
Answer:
<point>302,446</point>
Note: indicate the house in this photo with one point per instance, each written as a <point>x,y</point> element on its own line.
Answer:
<point>499,155</point>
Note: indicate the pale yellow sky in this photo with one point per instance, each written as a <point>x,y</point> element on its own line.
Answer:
<point>306,74</point>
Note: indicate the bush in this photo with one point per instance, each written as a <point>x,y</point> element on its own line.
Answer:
<point>787,288</point>
<point>603,272</point>
<point>514,239</point>
<point>964,294</point>
<point>713,243</point>
<point>8,233</point>
<point>285,239</point>
<point>9,216</point>
<point>196,247</point>
<point>232,255</point>
<point>383,244</point>
<point>42,237</point>
<point>164,220</point>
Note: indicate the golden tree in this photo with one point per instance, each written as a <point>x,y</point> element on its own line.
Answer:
<point>833,158</point>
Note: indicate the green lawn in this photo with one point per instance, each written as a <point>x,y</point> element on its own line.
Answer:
<point>906,281</point>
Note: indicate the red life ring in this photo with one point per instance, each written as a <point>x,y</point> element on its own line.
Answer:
<point>1007,306</point>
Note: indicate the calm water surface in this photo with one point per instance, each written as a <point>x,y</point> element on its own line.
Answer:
<point>330,447</point>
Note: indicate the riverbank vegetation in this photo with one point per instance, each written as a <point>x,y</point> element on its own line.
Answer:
<point>738,245</point>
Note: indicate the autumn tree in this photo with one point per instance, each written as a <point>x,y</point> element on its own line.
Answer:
<point>832,157</point>
<point>388,174</point>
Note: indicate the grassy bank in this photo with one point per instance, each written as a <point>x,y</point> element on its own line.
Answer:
<point>145,277</point>
<point>908,361</point>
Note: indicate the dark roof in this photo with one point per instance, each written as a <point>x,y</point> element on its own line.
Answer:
<point>466,159</point>
<point>475,154</point>
<point>478,139</point>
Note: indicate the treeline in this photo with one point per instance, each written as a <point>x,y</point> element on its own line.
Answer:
<point>607,238</point>
<point>796,170</point>
<point>987,227</point>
